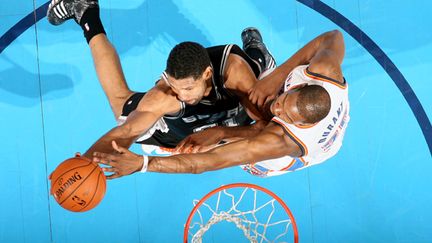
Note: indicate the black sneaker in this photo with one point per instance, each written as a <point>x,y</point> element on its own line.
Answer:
<point>252,39</point>
<point>61,10</point>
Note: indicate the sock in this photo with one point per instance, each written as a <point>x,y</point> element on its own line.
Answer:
<point>91,23</point>
<point>256,55</point>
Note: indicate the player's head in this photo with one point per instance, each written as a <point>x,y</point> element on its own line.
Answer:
<point>304,105</point>
<point>188,70</point>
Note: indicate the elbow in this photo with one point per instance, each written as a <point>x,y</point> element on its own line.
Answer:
<point>122,131</point>
<point>335,35</point>
<point>336,32</point>
<point>127,131</point>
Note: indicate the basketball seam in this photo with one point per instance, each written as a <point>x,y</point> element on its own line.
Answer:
<point>58,177</point>
<point>78,185</point>
<point>95,191</point>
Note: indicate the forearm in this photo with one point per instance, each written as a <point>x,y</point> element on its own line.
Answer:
<point>268,144</point>
<point>136,124</point>
<point>104,143</point>
<point>235,153</point>
<point>188,163</point>
<point>172,164</point>
<point>243,131</point>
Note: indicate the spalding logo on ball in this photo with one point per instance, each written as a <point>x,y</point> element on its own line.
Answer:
<point>78,184</point>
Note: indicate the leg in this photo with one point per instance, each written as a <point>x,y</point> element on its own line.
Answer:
<point>105,58</point>
<point>110,73</point>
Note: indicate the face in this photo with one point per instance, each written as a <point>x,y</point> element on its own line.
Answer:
<point>190,90</point>
<point>285,108</point>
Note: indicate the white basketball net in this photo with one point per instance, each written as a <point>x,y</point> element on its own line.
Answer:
<point>247,221</point>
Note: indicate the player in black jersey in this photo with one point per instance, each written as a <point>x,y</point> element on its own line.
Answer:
<point>200,90</point>
<point>199,110</point>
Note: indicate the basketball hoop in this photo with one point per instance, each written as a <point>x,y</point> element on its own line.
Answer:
<point>257,212</point>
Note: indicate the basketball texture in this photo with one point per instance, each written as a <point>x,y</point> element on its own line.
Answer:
<point>78,184</point>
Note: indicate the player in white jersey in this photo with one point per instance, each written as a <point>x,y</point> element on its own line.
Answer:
<point>308,99</point>
<point>319,141</point>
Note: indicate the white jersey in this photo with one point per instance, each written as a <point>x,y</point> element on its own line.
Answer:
<point>318,142</point>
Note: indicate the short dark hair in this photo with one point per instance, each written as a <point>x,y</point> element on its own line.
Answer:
<point>313,103</point>
<point>187,59</point>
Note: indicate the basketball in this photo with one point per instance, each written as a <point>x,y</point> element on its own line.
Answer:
<point>78,184</point>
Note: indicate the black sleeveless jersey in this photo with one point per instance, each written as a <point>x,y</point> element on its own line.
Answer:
<point>219,108</point>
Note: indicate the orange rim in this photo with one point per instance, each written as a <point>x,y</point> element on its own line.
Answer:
<point>234,185</point>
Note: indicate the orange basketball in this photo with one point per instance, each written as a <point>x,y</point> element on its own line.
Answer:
<point>78,184</point>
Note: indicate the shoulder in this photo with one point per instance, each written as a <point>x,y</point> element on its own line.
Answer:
<point>283,141</point>
<point>159,99</point>
<point>328,69</point>
<point>238,72</point>
<point>236,61</point>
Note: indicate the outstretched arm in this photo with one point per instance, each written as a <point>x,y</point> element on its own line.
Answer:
<point>136,124</point>
<point>266,145</point>
<point>151,108</point>
<point>267,88</point>
<point>270,143</point>
<point>212,137</point>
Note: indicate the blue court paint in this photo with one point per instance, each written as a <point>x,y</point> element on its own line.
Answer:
<point>366,193</point>
<point>382,59</point>
<point>28,21</point>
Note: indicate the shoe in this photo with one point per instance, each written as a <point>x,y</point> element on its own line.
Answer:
<point>61,10</point>
<point>251,38</point>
